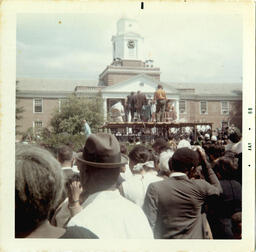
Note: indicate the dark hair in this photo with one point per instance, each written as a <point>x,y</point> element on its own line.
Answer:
<point>159,86</point>
<point>214,151</point>
<point>234,137</point>
<point>137,139</point>
<point>139,154</point>
<point>236,224</point>
<point>123,148</point>
<point>38,187</point>
<point>160,144</point>
<point>224,168</point>
<point>183,160</point>
<point>103,178</point>
<point>65,153</point>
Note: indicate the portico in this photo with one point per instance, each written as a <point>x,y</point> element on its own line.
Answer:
<point>144,84</point>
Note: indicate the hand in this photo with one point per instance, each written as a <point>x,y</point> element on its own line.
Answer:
<point>75,189</point>
<point>201,154</point>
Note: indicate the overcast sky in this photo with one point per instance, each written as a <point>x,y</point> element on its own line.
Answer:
<point>186,47</point>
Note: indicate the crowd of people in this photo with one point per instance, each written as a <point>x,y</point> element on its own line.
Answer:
<point>137,107</point>
<point>170,189</point>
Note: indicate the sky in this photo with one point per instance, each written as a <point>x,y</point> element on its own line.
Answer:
<point>188,47</point>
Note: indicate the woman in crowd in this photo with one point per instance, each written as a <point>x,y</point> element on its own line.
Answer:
<point>142,164</point>
<point>162,148</point>
<point>38,188</point>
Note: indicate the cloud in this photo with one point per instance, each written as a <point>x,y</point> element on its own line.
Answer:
<point>186,47</point>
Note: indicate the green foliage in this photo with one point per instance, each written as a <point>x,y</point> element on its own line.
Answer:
<point>66,126</point>
<point>19,111</point>
<point>73,111</point>
<point>76,142</point>
<point>235,115</point>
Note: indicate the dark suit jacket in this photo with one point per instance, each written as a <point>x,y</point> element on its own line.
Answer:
<point>131,102</point>
<point>140,101</point>
<point>173,206</point>
<point>221,209</point>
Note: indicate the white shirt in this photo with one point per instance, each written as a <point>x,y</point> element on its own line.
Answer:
<point>110,216</point>
<point>153,108</point>
<point>73,169</point>
<point>66,168</point>
<point>136,187</point>
<point>164,159</point>
<point>177,174</point>
<point>127,174</point>
<point>237,147</point>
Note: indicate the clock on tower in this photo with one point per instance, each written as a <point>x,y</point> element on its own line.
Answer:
<point>127,43</point>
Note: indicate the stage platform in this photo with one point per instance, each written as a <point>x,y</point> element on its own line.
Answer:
<point>149,130</point>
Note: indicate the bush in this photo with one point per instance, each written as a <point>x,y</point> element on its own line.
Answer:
<point>73,111</point>
<point>66,126</point>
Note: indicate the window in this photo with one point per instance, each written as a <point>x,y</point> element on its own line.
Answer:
<point>38,124</point>
<point>182,106</point>
<point>203,107</point>
<point>38,105</point>
<point>224,108</point>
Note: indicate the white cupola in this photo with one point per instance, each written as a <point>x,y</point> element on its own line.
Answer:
<point>127,43</point>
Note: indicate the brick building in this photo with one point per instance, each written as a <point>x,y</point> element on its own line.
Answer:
<point>193,102</point>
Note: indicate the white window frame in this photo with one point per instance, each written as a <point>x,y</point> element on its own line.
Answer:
<point>185,105</point>
<point>34,103</point>
<point>200,108</point>
<point>34,123</point>
<point>222,110</point>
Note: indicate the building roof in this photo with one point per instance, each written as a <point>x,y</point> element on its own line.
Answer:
<point>52,85</point>
<point>60,88</point>
<point>228,89</point>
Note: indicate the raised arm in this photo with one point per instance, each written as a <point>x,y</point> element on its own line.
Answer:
<point>208,173</point>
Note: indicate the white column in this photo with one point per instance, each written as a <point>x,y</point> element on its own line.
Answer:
<point>105,109</point>
<point>177,109</point>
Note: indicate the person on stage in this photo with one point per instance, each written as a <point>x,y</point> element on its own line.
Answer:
<point>160,98</point>
<point>117,112</point>
<point>139,102</point>
<point>131,105</point>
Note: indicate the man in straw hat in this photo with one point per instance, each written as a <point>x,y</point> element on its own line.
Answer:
<point>103,209</point>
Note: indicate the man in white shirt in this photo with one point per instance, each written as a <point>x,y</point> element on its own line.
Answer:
<point>102,209</point>
<point>117,112</point>
<point>135,187</point>
<point>65,157</point>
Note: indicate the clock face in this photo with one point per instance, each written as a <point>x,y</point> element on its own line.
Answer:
<point>131,44</point>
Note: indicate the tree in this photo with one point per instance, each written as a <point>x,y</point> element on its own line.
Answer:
<point>19,111</point>
<point>73,111</point>
<point>235,115</point>
<point>67,127</point>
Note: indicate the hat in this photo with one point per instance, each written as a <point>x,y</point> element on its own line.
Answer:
<point>184,143</point>
<point>214,138</point>
<point>102,150</point>
<point>207,136</point>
